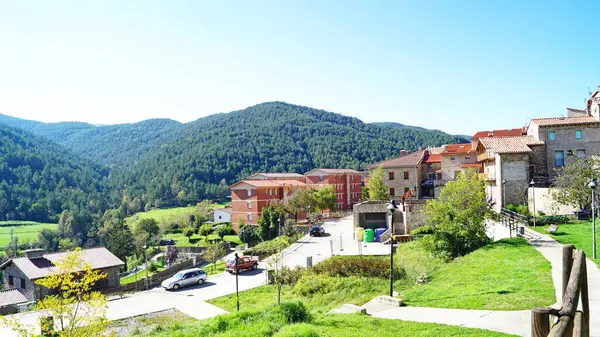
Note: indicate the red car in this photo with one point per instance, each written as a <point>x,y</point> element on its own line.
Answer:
<point>244,263</point>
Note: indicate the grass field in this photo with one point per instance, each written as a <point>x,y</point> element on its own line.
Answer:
<point>140,275</point>
<point>198,240</point>
<point>578,234</point>
<point>167,214</point>
<point>26,231</point>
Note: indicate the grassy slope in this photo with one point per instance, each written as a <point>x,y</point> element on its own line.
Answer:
<point>507,275</point>
<point>25,230</point>
<point>579,234</point>
<point>167,214</point>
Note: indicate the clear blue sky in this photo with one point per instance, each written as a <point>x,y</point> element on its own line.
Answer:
<point>458,66</point>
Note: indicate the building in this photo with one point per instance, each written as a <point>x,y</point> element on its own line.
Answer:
<point>431,173</point>
<point>249,197</point>
<point>403,173</point>
<point>509,164</point>
<point>222,215</point>
<point>22,272</point>
<point>277,176</point>
<point>347,184</point>
<point>456,158</point>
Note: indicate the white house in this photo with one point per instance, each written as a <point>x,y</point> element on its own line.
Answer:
<point>222,215</point>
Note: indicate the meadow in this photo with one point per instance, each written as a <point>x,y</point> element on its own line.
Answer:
<point>26,231</point>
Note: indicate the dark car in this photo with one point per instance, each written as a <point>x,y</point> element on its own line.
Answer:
<point>317,231</point>
<point>167,242</point>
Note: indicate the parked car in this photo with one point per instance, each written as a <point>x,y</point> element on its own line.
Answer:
<point>244,263</point>
<point>185,278</point>
<point>167,242</point>
<point>317,231</point>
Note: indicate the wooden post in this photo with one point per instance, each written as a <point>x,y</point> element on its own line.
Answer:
<point>540,321</point>
<point>585,299</point>
<point>567,259</point>
<point>579,327</point>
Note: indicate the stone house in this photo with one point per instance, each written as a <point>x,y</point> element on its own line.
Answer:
<point>403,173</point>
<point>456,158</point>
<point>22,272</point>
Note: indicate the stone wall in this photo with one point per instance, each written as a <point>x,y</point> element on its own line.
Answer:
<point>29,291</point>
<point>399,184</point>
<point>545,203</point>
<point>413,214</point>
<point>515,171</point>
<point>371,207</point>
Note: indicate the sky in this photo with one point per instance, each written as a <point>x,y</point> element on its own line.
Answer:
<point>458,66</point>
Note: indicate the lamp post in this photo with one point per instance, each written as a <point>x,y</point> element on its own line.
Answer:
<point>392,207</point>
<point>532,184</point>
<point>503,193</point>
<point>146,260</point>
<point>237,294</point>
<point>592,185</point>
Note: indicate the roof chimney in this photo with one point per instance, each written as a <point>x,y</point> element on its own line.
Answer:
<point>34,253</point>
<point>403,153</point>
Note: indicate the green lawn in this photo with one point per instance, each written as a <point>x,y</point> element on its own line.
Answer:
<point>506,275</point>
<point>218,268</point>
<point>578,234</point>
<point>198,240</point>
<point>140,275</point>
<point>26,231</point>
<point>271,323</point>
<point>167,214</point>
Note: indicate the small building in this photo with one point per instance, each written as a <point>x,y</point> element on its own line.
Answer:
<point>454,158</point>
<point>11,300</point>
<point>222,215</point>
<point>22,272</point>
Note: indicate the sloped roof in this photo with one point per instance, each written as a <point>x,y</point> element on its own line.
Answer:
<point>332,171</point>
<point>563,121</point>
<point>458,148</point>
<point>510,144</point>
<point>11,297</point>
<point>226,210</point>
<point>43,266</point>
<point>269,183</point>
<point>498,133</point>
<point>576,110</point>
<point>470,165</point>
<point>275,175</point>
<point>433,158</point>
<point>412,159</point>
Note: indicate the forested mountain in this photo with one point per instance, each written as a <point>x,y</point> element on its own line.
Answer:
<point>39,179</point>
<point>162,162</point>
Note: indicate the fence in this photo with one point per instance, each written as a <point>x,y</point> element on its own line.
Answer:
<point>512,220</point>
<point>571,322</point>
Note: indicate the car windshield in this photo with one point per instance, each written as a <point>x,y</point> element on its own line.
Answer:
<point>316,227</point>
<point>230,261</point>
<point>178,276</point>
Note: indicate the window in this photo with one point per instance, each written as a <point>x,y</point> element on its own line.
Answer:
<point>467,157</point>
<point>250,216</point>
<point>22,283</point>
<point>569,153</point>
<point>580,153</point>
<point>219,217</point>
<point>578,134</point>
<point>559,158</point>
<point>11,280</point>
<point>439,176</point>
<point>321,178</point>
<point>392,192</point>
<point>249,204</point>
<point>452,158</point>
<point>405,174</point>
<point>551,135</point>
<point>249,192</point>
<point>391,175</point>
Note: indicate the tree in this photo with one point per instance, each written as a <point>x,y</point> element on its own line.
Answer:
<point>377,189</point>
<point>325,198</point>
<point>149,226</point>
<point>458,217</point>
<point>48,239</point>
<point>189,232</point>
<point>205,231</point>
<point>213,253</point>
<point>268,222</point>
<point>248,233</point>
<point>224,230</point>
<point>66,223</point>
<point>120,241</point>
<point>12,249</point>
<point>572,181</point>
<point>203,209</point>
<point>78,311</point>
<point>171,255</point>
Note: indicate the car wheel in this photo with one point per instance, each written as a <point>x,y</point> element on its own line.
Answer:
<point>254,266</point>
<point>201,281</point>
<point>175,287</point>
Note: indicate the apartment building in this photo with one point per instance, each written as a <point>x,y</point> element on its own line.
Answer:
<point>277,176</point>
<point>347,184</point>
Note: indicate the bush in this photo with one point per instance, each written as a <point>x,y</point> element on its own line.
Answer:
<point>367,266</point>
<point>223,230</point>
<point>523,210</point>
<point>152,268</point>
<point>270,247</point>
<point>512,208</point>
<point>248,233</point>
<point>552,219</point>
<point>290,276</point>
<point>427,229</point>
<point>297,330</point>
<point>294,312</point>
<point>311,284</point>
<point>448,245</point>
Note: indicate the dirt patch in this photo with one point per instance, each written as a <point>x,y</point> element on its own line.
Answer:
<point>145,323</point>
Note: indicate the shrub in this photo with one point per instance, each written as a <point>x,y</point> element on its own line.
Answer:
<point>224,230</point>
<point>270,247</point>
<point>523,210</point>
<point>367,266</point>
<point>248,233</point>
<point>512,208</point>
<point>294,312</point>
<point>290,276</point>
<point>297,330</point>
<point>311,284</point>
<point>552,219</point>
<point>152,268</point>
<point>415,262</point>
<point>427,229</point>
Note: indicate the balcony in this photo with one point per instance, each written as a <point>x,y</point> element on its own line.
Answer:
<point>487,176</point>
<point>487,155</point>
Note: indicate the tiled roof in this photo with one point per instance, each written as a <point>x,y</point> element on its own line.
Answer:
<point>333,171</point>
<point>11,296</point>
<point>468,165</point>
<point>226,210</point>
<point>276,175</point>
<point>433,158</point>
<point>498,133</point>
<point>560,121</point>
<point>458,148</point>
<point>409,160</point>
<point>43,266</point>
<point>576,110</point>
<point>510,144</point>
<point>269,183</point>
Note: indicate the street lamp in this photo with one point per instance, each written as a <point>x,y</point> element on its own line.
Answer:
<point>532,184</point>
<point>391,208</point>
<point>279,226</point>
<point>592,185</point>
<point>146,260</point>
<point>503,193</point>
<point>237,294</point>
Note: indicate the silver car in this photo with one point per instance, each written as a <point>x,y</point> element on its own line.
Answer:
<point>185,278</point>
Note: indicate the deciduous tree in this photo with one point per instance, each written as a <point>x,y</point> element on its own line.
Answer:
<point>325,198</point>
<point>213,253</point>
<point>572,180</point>
<point>377,189</point>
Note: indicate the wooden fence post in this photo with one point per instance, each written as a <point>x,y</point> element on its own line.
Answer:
<point>567,260</point>
<point>540,321</point>
<point>579,327</point>
<point>585,300</point>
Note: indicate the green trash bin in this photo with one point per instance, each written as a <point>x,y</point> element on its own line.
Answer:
<point>369,235</point>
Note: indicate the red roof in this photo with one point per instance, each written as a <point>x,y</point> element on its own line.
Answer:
<point>458,148</point>
<point>498,133</point>
<point>409,160</point>
<point>433,158</point>
<point>468,165</point>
